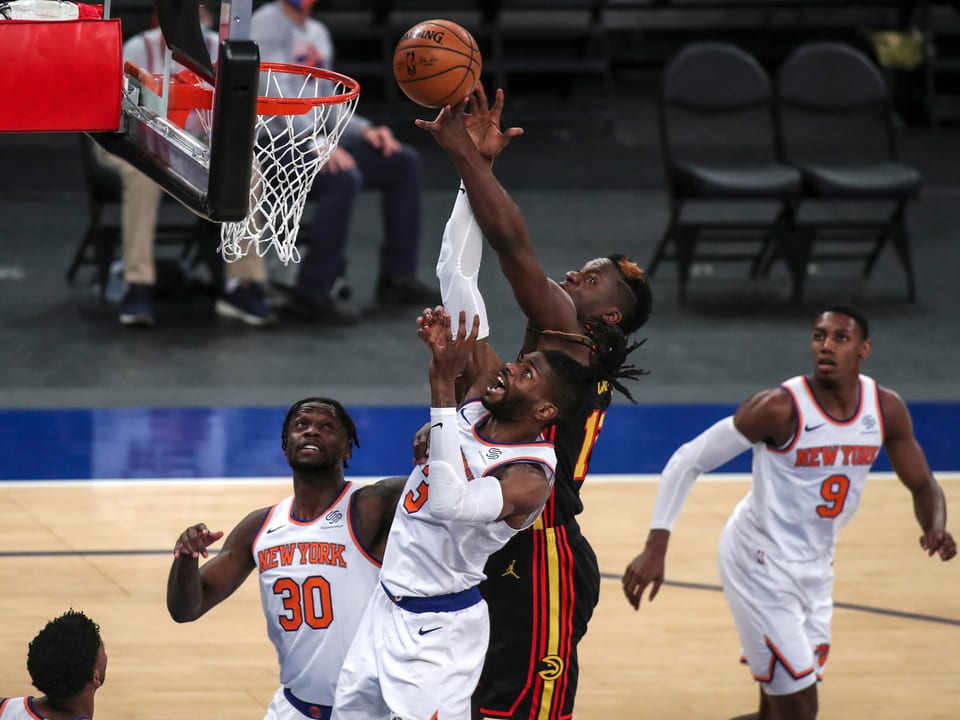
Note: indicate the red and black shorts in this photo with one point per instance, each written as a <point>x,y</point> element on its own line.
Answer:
<point>541,589</point>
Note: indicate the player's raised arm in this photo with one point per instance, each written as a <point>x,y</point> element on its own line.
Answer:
<point>543,301</point>
<point>193,589</point>
<point>909,462</point>
<point>765,417</point>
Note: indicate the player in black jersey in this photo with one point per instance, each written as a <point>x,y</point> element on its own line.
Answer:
<point>543,585</point>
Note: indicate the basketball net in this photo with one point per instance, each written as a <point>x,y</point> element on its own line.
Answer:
<point>301,114</point>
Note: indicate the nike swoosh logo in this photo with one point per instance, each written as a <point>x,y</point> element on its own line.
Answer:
<point>421,631</point>
<point>439,424</point>
<point>809,428</point>
<point>275,529</point>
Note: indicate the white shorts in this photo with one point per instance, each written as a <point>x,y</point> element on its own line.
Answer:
<point>782,611</point>
<point>280,708</point>
<point>412,665</point>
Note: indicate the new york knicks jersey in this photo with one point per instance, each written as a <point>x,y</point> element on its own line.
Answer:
<point>427,556</point>
<point>315,581</point>
<point>804,492</point>
<point>18,708</point>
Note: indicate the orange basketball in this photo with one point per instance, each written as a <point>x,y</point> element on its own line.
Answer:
<point>437,63</point>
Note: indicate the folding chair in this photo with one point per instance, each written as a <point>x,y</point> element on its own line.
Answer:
<point>835,123</point>
<point>718,142</point>
<point>100,240</point>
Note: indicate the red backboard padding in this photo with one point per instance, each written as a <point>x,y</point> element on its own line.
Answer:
<point>60,75</point>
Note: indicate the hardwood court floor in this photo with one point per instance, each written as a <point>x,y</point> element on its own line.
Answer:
<point>105,549</point>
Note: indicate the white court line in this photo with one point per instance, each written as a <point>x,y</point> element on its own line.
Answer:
<point>611,479</point>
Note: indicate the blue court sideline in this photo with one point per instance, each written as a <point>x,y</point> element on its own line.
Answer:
<point>244,442</point>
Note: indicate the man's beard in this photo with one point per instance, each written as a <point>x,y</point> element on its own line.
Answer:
<point>505,409</point>
<point>313,467</point>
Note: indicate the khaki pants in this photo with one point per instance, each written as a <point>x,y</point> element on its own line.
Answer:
<point>141,202</point>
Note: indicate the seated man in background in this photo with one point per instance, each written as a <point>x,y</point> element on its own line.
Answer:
<point>243,294</point>
<point>368,156</point>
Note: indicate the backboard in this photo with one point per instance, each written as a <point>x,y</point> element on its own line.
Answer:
<point>208,171</point>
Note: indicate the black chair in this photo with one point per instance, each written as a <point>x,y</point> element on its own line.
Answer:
<point>104,190</point>
<point>719,148</point>
<point>836,125</point>
<point>100,240</point>
<point>559,46</point>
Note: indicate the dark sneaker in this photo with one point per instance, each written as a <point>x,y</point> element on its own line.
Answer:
<point>327,311</point>
<point>136,307</point>
<point>341,290</point>
<point>248,304</point>
<point>406,291</point>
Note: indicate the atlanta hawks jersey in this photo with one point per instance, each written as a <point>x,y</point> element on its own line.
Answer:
<point>315,581</point>
<point>18,708</point>
<point>426,556</point>
<point>804,492</point>
<point>574,439</point>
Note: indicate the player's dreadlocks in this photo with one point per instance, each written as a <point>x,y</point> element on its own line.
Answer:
<point>609,348</point>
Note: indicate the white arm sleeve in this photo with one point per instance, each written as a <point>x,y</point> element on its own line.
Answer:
<point>458,266</point>
<point>451,496</point>
<point>718,444</point>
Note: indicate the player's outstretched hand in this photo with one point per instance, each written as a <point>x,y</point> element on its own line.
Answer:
<point>646,568</point>
<point>483,123</point>
<point>449,356</point>
<point>939,543</point>
<point>449,129</point>
<point>194,541</point>
<point>428,317</point>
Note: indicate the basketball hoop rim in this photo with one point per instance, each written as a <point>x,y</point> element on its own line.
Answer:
<point>188,96</point>
<point>298,106</point>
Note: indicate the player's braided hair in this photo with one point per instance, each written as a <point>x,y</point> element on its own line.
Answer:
<point>609,348</point>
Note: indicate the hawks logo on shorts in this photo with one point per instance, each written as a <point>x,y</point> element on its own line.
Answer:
<point>551,667</point>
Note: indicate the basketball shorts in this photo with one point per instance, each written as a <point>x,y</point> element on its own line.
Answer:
<point>414,663</point>
<point>286,706</point>
<point>541,589</point>
<point>782,611</point>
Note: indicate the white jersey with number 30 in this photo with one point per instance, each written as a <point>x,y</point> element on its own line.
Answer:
<point>427,556</point>
<point>804,492</point>
<point>315,581</point>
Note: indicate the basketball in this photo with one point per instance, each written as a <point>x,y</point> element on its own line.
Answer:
<point>437,63</point>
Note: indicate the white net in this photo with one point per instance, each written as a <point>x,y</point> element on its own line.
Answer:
<point>290,148</point>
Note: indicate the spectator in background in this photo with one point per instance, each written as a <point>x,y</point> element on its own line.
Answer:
<point>68,664</point>
<point>368,156</point>
<point>243,294</point>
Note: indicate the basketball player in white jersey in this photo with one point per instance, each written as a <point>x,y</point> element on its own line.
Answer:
<point>532,667</point>
<point>317,553</point>
<point>420,647</point>
<point>814,439</point>
<point>68,664</point>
